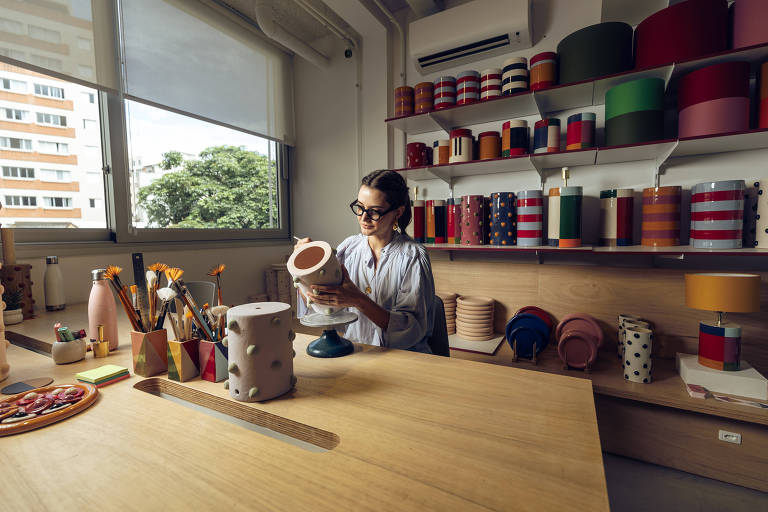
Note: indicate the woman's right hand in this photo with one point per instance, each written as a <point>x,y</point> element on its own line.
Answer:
<point>301,242</point>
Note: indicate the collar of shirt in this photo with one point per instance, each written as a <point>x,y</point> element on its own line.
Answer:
<point>384,250</point>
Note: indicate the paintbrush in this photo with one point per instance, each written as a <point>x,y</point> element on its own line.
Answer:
<point>216,272</point>
<point>139,277</point>
<point>220,312</point>
<point>183,292</point>
<point>151,291</point>
<point>111,274</point>
<point>166,295</point>
<point>187,324</point>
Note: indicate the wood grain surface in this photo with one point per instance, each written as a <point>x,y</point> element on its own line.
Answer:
<point>415,432</point>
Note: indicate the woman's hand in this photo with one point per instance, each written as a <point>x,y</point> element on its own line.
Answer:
<point>301,242</point>
<point>344,295</point>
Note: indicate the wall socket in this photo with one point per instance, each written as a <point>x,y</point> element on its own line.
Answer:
<point>729,437</point>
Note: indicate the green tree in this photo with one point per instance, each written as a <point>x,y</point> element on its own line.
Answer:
<point>228,187</point>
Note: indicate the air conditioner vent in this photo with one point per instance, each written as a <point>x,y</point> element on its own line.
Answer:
<point>491,43</point>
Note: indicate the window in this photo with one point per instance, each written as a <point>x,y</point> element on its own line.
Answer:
<point>83,43</point>
<point>10,52</point>
<point>89,97</point>
<point>46,62</point>
<point>13,143</point>
<point>57,202</point>
<point>50,91</point>
<point>44,34</point>
<point>53,119</point>
<point>13,85</point>
<point>18,172</point>
<point>14,114</point>
<point>90,124</point>
<point>56,148</point>
<point>20,201</point>
<point>12,26</point>
<point>92,202</point>
<point>55,175</point>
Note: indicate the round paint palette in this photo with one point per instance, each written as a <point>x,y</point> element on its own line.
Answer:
<point>580,322</point>
<point>34,409</point>
<point>577,349</point>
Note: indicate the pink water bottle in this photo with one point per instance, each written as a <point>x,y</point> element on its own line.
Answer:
<point>102,309</point>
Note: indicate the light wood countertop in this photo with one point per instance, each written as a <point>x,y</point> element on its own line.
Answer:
<point>414,432</point>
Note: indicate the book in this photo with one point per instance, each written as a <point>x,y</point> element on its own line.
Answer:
<point>102,374</point>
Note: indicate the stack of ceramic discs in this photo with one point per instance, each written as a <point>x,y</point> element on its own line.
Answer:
<point>634,112</point>
<point>530,218</point>
<point>761,233</point>
<point>717,214</point>
<point>467,87</point>
<point>441,152</point>
<point>713,100</point>
<point>473,215</point>
<point>748,234</point>
<point>553,217</point>
<point>423,94</point>
<point>490,84</point>
<point>629,319</point>
<point>543,70</point>
<point>449,306</point>
<point>489,145</point>
<point>419,217</point>
<point>514,138</point>
<point>763,97</point>
<point>528,332</point>
<point>462,146</point>
<point>682,32</point>
<point>440,221</point>
<point>444,92</point>
<point>403,101</point>
<point>570,216</point>
<point>749,23</point>
<point>430,220</point>
<point>581,131</point>
<point>503,218</point>
<point>579,337</point>
<point>616,207</point>
<point>597,50</point>
<point>474,318</point>
<point>453,220</point>
<point>546,136</point>
<point>514,76</point>
<point>661,216</point>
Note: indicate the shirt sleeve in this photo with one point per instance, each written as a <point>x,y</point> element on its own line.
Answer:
<point>410,320</point>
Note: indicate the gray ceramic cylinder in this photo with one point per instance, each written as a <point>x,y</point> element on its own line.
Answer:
<point>260,343</point>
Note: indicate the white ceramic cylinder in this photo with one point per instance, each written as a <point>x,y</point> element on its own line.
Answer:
<point>260,351</point>
<point>622,319</point>
<point>53,283</point>
<point>761,233</point>
<point>315,263</point>
<point>637,364</point>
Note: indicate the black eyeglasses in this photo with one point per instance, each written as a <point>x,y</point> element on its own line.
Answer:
<point>373,213</point>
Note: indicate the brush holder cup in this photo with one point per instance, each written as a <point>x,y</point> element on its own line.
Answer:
<point>213,361</point>
<point>150,352</point>
<point>260,343</point>
<point>315,263</point>
<point>183,359</point>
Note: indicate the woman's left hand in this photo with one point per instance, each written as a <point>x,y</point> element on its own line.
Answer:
<point>344,295</point>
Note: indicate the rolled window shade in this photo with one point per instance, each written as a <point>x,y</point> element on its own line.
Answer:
<point>190,57</point>
<point>69,39</point>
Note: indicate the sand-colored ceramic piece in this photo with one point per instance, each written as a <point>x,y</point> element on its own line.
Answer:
<point>64,352</point>
<point>266,370</point>
<point>315,263</point>
<point>475,301</point>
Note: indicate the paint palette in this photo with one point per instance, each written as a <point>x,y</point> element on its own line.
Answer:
<point>43,406</point>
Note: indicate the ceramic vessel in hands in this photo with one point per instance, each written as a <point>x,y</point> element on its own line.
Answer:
<point>315,263</point>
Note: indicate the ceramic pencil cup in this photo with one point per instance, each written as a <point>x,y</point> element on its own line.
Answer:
<point>183,359</point>
<point>638,343</point>
<point>213,360</point>
<point>315,263</point>
<point>150,352</point>
<point>260,343</point>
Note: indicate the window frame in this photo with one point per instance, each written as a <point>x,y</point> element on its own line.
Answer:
<point>18,171</point>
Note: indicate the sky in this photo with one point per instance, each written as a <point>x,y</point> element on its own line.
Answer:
<point>154,131</point>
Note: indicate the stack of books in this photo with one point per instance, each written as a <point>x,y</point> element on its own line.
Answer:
<point>103,375</point>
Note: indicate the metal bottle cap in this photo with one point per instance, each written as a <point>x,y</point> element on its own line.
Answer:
<point>51,260</point>
<point>98,274</point>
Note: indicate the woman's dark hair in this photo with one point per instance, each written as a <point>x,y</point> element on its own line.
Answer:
<point>394,187</point>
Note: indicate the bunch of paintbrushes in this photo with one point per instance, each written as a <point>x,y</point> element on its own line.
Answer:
<point>191,320</point>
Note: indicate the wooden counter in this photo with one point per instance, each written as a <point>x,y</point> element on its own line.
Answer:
<point>407,432</point>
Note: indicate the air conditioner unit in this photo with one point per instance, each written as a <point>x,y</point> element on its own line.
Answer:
<point>472,31</point>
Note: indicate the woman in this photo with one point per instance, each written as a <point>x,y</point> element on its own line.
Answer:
<point>387,276</point>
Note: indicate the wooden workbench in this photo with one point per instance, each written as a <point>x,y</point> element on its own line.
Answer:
<point>404,431</point>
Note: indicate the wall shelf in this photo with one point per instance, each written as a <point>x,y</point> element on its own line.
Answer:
<point>561,97</point>
<point>678,251</point>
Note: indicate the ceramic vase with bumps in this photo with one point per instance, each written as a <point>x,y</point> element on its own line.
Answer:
<point>315,263</point>
<point>260,343</point>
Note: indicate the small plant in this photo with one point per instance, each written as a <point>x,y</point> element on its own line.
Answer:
<point>12,299</point>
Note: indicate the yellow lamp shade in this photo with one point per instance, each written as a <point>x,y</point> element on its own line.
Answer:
<point>731,293</point>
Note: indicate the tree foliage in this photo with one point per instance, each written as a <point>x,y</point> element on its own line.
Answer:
<point>227,188</point>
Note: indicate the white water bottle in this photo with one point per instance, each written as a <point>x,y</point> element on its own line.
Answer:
<point>54,285</point>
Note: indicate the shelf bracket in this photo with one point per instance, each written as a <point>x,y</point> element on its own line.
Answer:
<point>539,258</point>
<point>661,163</point>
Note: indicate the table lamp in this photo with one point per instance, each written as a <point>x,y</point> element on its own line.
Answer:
<point>719,341</point>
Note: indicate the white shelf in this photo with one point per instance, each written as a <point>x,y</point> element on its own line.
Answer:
<point>710,144</point>
<point>497,109</point>
<point>658,151</point>
<point>571,158</point>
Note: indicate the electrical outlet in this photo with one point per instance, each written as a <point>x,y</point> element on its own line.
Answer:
<point>729,437</point>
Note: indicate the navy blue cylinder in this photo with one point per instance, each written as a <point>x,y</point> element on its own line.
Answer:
<point>503,221</point>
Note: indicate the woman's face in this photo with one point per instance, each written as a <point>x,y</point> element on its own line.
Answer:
<point>372,198</point>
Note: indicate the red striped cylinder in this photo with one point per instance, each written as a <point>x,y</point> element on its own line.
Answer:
<point>543,72</point>
<point>763,96</point>
<point>720,346</point>
<point>473,219</point>
<point>430,216</point>
<point>461,146</point>
<point>616,206</point>
<point>489,144</point>
<point>714,99</point>
<point>467,87</point>
<point>717,214</point>
<point>661,216</point>
<point>490,84</point>
<point>444,92</point>
<point>580,132</point>
<point>530,218</point>
<point>682,32</point>
<point>423,97</point>
<point>403,101</point>
<point>546,136</point>
<point>418,221</point>
<point>749,17</point>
